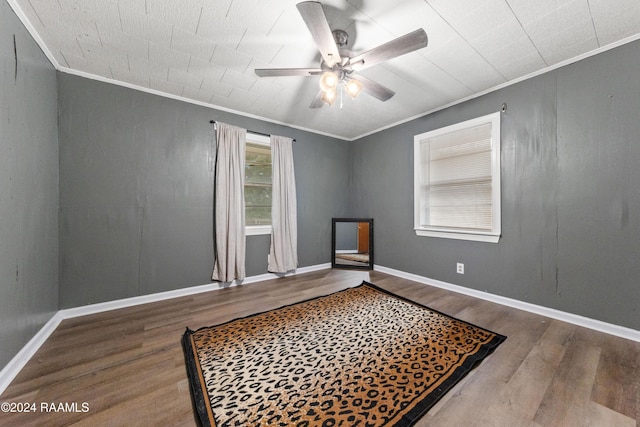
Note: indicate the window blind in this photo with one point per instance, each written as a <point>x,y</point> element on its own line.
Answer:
<point>457,179</point>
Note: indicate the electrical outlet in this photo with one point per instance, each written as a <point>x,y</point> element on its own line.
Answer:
<point>460,268</point>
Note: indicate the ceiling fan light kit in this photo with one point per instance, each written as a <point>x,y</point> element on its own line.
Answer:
<point>338,64</point>
<point>329,83</point>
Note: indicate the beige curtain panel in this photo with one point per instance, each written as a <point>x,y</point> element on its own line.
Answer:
<point>229,232</point>
<point>283,254</point>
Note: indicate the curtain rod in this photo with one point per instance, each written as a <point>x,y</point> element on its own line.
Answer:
<point>213,122</point>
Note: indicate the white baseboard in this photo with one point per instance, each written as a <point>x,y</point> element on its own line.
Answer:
<point>18,362</point>
<point>160,296</point>
<point>597,325</point>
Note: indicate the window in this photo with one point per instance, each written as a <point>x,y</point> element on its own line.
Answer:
<point>257,185</point>
<point>457,181</point>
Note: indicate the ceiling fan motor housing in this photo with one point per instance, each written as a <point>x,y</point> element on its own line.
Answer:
<point>341,38</point>
<point>341,67</point>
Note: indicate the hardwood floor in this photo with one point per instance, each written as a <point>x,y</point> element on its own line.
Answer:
<point>127,367</point>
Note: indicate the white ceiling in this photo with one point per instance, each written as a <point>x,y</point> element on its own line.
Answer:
<point>205,51</point>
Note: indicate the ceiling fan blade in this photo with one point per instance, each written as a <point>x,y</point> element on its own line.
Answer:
<point>316,21</point>
<point>375,89</point>
<point>317,101</point>
<point>396,47</point>
<point>284,72</point>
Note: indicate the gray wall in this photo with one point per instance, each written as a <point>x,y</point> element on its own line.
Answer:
<point>571,192</point>
<point>28,187</point>
<point>136,192</point>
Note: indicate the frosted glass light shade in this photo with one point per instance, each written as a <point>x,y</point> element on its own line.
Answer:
<point>353,88</point>
<point>329,81</point>
<point>329,97</point>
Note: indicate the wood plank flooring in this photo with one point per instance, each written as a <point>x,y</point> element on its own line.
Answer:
<point>127,365</point>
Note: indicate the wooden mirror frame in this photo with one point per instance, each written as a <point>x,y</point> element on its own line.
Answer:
<point>355,266</point>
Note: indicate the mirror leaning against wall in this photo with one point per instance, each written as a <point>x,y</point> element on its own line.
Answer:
<point>352,243</point>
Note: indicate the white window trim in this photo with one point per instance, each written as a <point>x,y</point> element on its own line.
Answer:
<point>257,230</point>
<point>495,234</point>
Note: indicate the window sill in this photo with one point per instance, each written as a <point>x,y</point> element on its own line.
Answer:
<point>475,237</point>
<point>257,230</point>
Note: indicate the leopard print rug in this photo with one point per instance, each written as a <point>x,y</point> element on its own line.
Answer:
<point>358,357</point>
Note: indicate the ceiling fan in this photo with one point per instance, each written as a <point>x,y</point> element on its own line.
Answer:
<point>339,66</point>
